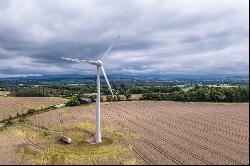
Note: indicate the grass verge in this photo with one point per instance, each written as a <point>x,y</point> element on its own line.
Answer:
<point>113,149</point>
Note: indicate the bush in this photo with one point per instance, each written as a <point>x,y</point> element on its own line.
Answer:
<point>73,102</point>
<point>101,98</point>
<point>22,119</point>
<point>31,111</point>
<point>118,98</point>
<point>128,94</point>
<point>109,98</point>
<point>10,117</point>
<point>93,98</point>
<point>8,123</point>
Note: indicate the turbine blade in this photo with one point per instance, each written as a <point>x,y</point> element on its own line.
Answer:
<point>78,60</point>
<point>106,78</point>
<point>109,49</point>
<point>70,59</point>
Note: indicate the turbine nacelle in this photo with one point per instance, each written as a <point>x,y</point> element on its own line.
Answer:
<point>99,63</point>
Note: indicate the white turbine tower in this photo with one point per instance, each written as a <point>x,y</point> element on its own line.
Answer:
<point>99,66</point>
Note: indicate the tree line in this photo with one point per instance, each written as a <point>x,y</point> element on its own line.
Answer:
<point>149,92</point>
<point>204,94</point>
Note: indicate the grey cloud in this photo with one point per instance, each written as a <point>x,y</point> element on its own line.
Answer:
<point>157,36</point>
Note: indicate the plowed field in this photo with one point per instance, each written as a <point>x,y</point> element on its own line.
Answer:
<point>13,105</point>
<point>166,132</point>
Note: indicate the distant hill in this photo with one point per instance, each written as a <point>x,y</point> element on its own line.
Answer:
<point>183,77</point>
<point>70,78</point>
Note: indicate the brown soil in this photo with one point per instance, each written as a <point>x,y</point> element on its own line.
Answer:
<point>167,132</point>
<point>13,105</point>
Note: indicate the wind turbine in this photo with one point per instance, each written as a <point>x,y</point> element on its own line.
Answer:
<point>99,66</point>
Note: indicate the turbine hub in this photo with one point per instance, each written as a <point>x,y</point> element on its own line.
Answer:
<point>99,63</point>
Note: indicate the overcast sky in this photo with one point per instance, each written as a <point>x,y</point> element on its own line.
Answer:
<point>157,36</point>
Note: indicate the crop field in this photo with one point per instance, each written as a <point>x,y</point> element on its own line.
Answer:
<point>134,132</point>
<point>13,105</point>
<point>4,93</point>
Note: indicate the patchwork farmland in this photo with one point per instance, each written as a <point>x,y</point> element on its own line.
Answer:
<point>134,132</point>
